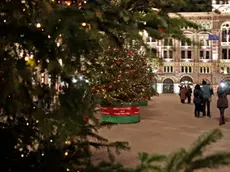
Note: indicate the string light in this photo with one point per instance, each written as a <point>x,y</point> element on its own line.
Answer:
<point>67,142</point>
<point>26,58</point>
<point>68,3</point>
<point>83,24</point>
<point>66,153</point>
<point>38,25</point>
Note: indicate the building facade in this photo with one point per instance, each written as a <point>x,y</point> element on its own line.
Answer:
<point>189,64</point>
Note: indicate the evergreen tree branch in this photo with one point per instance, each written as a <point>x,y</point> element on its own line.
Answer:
<point>211,161</point>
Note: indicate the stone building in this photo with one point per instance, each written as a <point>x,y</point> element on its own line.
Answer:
<point>189,64</point>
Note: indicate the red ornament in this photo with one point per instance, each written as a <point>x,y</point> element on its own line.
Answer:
<point>119,77</point>
<point>118,62</point>
<point>129,53</point>
<point>132,70</point>
<point>161,29</point>
<point>94,89</point>
<point>110,102</point>
<point>85,119</point>
<point>110,86</point>
<point>3,79</point>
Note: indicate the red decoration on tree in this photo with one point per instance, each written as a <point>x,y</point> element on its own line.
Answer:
<point>132,70</point>
<point>129,53</point>
<point>119,77</point>
<point>110,102</point>
<point>118,62</point>
<point>161,29</point>
<point>110,86</point>
<point>85,119</point>
<point>94,89</point>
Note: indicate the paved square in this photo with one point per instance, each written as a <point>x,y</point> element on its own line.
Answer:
<point>166,125</point>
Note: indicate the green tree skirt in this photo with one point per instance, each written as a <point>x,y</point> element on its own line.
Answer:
<point>143,103</point>
<point>121,119</point>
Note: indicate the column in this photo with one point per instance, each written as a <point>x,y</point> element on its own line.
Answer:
<point>160,88</point>
<point>176,88</point>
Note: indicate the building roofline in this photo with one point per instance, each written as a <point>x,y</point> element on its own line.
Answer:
<point>197,14</point>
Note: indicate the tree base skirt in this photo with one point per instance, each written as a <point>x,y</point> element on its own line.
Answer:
<point>143,103</point>
<point>121,119</point>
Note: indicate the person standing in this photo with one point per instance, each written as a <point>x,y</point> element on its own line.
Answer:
<point>222,101</point>
<point>206,98</point>
<point>197,100</point>
<point>183,92</point>
<point>189,94</point>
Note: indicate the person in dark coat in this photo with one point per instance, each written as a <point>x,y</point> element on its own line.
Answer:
<point>206,98</point>
<point>189,94</point>
<point>222,101</point>
<point>197,100</point>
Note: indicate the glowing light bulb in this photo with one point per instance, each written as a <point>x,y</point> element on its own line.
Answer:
<point>83,24</point>
<point>66,153</point>
<point>26,58</point>
<point>38,25</point>
<point>68,3</point>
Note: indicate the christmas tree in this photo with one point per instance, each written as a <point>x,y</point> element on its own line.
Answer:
<point>120,75</point>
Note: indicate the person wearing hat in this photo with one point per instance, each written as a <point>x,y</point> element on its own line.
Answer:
<point>206,89</point>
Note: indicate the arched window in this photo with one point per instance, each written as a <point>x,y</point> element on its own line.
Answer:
<point>225,32</point>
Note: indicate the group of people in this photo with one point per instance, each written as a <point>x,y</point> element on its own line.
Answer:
<point>202,97</point>
<point>185,93</point>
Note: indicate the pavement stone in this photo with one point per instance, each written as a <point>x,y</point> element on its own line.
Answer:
<point>166,125</point>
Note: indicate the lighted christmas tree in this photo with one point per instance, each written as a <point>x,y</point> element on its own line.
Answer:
<point>120,75</point>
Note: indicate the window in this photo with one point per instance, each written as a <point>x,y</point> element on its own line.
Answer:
<point>186,69</point>
<point>225,53</point>
<point>168,54</point>
<point>189,54</point>
<point>205,54</point>
<point>168,69</point>
<point>186,54</point>
<point>183,55</point>
<point>225,33</point>
<point>184,43</point>
<point>168,42</point>
<point>225,70</point>
<point>204,40</point>
<point>204,70</point>
<point>221,2</point>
